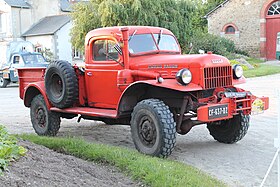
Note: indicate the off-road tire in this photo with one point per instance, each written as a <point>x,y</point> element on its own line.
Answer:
<point>61,84</point>
<point>45,122</point>
<point>230,131</point>
<point>153,128</point>
<point>3,82</point>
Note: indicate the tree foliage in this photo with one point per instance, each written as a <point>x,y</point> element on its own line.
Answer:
<point>170,14</point>
<point>183,17</point>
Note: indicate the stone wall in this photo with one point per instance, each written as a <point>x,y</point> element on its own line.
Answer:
<point>245,15</point>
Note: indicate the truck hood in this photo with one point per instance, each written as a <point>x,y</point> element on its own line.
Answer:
<point>170,61</point>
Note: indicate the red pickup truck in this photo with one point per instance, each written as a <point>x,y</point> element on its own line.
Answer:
<point>137,76</point>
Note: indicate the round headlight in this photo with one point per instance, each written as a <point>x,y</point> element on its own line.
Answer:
<point>184,76</point>
<point>237,71</point>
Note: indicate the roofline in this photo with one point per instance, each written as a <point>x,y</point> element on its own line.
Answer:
<point>43,34</point>
<point>216,8</point>
<point>17,6</point>
<point>65,10</point>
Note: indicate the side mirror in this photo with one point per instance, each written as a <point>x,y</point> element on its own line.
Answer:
<point>190,47</point>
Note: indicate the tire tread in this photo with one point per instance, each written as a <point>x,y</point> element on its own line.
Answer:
<point>166,120</point>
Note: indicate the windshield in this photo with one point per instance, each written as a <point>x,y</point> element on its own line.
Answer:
<point>140,43</point>
<point>33,59</point>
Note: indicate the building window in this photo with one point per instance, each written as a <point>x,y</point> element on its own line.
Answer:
<point>38,49</point>
<point>274,9</point>
<point>76,54</point>
<point>230,30</point>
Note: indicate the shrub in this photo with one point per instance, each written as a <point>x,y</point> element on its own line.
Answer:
<point>9,150</point>
<point>209,42</point>
<point>216,44</point>
<point>233,62</point>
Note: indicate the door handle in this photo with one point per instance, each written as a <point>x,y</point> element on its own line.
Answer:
<point>89,73</point>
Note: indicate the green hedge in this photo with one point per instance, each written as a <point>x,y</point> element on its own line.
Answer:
<point>216,44</point>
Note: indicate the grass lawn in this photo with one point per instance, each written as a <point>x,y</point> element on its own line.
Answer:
<point>151,171</point>
<point>262,70</point>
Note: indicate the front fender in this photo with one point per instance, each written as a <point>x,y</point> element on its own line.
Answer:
<point>132,94</point>
<point>169,84</point>
<point>33,89</point>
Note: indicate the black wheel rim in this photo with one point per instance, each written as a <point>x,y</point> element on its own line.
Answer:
<point>56,87</point>
<point>147,131</point>
<point>40,117</point>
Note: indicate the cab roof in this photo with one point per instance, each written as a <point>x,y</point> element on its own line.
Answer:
<point>116,31</point>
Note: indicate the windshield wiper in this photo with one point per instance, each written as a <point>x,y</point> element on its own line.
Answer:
<point>159,36</point>
<point>132,35</point>
<point>102,52</point>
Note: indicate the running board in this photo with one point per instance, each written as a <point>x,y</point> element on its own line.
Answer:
<point>87,111</point>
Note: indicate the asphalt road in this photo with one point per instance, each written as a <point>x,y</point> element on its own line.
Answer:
<point>242,164</point>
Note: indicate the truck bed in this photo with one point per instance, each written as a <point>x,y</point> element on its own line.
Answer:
<point>29,75</point>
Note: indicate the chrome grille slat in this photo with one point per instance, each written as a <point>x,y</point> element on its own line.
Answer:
<point>217,77</point>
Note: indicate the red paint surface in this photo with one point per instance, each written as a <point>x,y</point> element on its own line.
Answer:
<point>103,84</point>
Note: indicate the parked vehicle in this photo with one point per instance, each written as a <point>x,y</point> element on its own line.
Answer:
<point>19,54</point>
<point>137,76</point>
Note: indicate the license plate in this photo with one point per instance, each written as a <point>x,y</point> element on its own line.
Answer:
<point>219,111</point>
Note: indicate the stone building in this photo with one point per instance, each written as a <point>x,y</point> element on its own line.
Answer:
<point>254,25</point>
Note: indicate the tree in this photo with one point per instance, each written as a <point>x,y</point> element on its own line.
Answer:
<point>175,15</point>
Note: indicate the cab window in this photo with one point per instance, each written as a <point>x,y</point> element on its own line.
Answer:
<point>103,50</point>
<point>16,60</point>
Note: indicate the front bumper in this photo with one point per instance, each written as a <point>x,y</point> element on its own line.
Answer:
<point>232,104</point>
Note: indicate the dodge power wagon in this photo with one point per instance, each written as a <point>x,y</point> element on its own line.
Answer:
<point>137,76</point>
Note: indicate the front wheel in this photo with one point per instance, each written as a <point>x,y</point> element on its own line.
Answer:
<point>153,128</point>
<point>3,82</point>
<point>231,130</point>
<point>45,122</point>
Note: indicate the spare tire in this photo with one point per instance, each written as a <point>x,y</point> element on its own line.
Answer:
<point>61,84</point>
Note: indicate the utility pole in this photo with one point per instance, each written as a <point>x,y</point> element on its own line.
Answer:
<point>276,145</point>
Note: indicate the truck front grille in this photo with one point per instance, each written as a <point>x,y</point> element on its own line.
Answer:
<point>217,77</point>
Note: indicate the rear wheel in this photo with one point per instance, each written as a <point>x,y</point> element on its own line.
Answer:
<point>44,122</point>
<point>230,131</point>
<point>153,128</point>
<point>3,82</point>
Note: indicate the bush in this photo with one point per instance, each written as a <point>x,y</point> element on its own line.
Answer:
<point>216,44</point>
<point>9,150</point>
<point>209,42</point>
<point>233,62</point>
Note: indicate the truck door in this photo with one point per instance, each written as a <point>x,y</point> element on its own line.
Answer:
<point>17,62</point>
<point>101,72</point>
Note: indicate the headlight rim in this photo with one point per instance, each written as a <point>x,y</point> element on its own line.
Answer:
<point>235,75</point>
<point>180,79</point>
